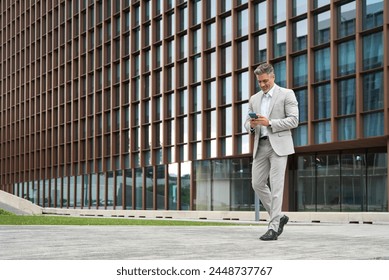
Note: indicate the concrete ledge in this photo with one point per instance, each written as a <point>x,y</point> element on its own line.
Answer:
<point>249,216</point>
<point>21,204</point>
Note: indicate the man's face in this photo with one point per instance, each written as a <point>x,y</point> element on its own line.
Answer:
<point>265,81</point>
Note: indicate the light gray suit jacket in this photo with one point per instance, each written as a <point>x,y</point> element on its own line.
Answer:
<point>284,115</point>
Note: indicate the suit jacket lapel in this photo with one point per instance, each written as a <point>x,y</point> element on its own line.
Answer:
<point>274,98</point>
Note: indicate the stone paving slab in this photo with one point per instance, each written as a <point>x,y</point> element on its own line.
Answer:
<point>298,242</point>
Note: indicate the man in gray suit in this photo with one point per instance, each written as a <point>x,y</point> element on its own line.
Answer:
<point>273,112</point>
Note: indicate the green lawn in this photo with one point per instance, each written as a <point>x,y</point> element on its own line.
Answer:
<point>7,218</point>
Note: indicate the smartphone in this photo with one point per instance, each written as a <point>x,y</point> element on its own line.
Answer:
<point>253,115</point>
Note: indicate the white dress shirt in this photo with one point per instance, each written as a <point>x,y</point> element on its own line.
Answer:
<point>265,105</point>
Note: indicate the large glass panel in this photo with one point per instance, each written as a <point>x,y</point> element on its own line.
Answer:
<point>377,188</point>
<point>86,191</point>
<point>226,26</point>
<point>211,96</point>
<point>242,195</point>
<point>197,41</point>
<point>322,65</point>
<point>279,43</point>
<point>322,102</point>
<point>119,190</point>
<point>305,183</point>
<point>280,73</point>
<point>242,110</point>
<point>196,99</point>
<point>102,190</point>
<point>110,190</point>
<point>211,65</point>
<point>300,31</point>
<point>346,97</point>
<point>373,124</point>
<point>300,70</point>
<point>211,8</point>
<point>346,58</point>
<point>260,48</point>
<point>172,186</point>
<point>138,188</point>
<point>373,51</point>
<point>243,50</point>
<point>93,190</point>
<point>183,49</point>
<point>353,170</point>
<point>202,185</point>
<point>346,128</point>
<point>161,187</point>
<point>322,132</point>
<point>346,16</point>
<point>373,93</point>
<point>210,127</point>
<point>260,15</point>
<point>185,185</point>
<point>183,16</point>
<point>72,186</point>
<point>197,64</point>
<point>128,189</point>
<point>243,23</point>
<point>279,11</point>
<point>372,13</point>
<point>322,24</point>
<point>220,185</point>
<point>328,182</point>
<point>299,7</point>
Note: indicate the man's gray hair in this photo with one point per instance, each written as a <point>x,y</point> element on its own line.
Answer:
<point>264,68</point>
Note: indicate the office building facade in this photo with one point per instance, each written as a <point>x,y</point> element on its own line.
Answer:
<point>123,104</point>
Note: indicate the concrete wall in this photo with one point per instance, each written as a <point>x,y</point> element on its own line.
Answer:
<point>24,206</point>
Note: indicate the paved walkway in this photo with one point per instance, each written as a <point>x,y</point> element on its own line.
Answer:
<point>298,242</point>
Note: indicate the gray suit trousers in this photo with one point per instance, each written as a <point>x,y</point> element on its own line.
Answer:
<point>267,164</point>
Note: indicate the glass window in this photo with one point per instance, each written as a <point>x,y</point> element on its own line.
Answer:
<point>196,99</point>
<point>243,86</point>
<point>170,18</point>
<point>225,5</point>
<point>302,99</point>
<point>346,23</point>
<point>183,79</point>
<point>280,73</point>
<point>211,9</point>
<point>377,183</point>
<point>322,24</point>
<point>202,182</point>
<point>320,3</point>
<point>182,123</point>
<point>211,129</point>
<point>299,7</point>
<point>305,183</point>
<point>197,127</point>
<point>211,65</point>
<point>328,182</point>
<point>322,102</point>
<point>373,51</point>
<point>183,47</point>
<point>242,110</point>
<point>170,51</point>
<point>197,64</point>
<point>279,44</point>
<point>243,23</point>
<point>322,132</point>
<point>300,70</point>
<point>158,30</point>
<point>243,50</point>
<point>346,97</point>
<point>373,124</point>
<point>373,94</point>
<point>226,26</point>
<point>183,14</point>
<point>211,35</point>
<point>279,11</point>
<point>300,135</point>
<point>346,58</point>
<point>211,95</point>
<point>260,15</point>
<point>260,48</point>
<point>372,13</point>
<point>346,128</point>
<point>197,41</point>
<point>185,184</point>
<point>183,102</point>
<point>322,65</point>
<point>197,15</point>
<point>226,85</point>
<point>300,30</point>
<point>226,54</point>
<point>226,127</point>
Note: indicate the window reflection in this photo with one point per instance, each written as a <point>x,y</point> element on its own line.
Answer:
<point>322,26</point>
<point>347,15</point>
<point>373,51</point>
<point>346,58</point>
<point>372,13</point>
<point>300,30</point>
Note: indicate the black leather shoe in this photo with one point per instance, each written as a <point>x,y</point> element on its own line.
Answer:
<point>283,221</point>
<point>269,235</point>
